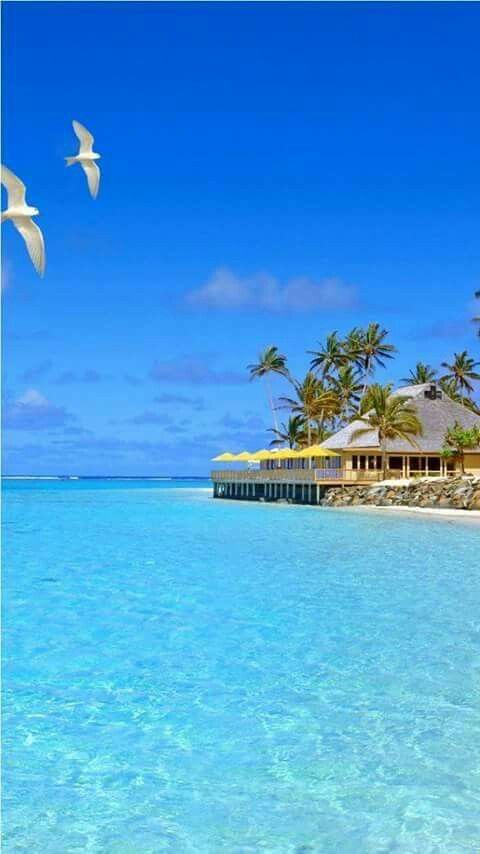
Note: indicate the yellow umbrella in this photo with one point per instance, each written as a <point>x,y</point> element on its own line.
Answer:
<point>227,457</point>
<point>258,456</point>
<point>243,457</point>
<point>316,451</point>
<point>286,454</point>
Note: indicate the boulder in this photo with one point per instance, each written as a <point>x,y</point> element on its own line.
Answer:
<point>474,503</point>
<point>457,492</point>
<point>444,502</point>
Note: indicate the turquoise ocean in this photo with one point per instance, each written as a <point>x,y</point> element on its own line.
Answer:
<point>189,675</point>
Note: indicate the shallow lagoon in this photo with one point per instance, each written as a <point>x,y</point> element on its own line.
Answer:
<point>190,675</point>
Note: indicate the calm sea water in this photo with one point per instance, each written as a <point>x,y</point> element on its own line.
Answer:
<point>190,675</point>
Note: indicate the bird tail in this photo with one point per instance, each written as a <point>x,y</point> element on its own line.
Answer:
<point>70,160</point>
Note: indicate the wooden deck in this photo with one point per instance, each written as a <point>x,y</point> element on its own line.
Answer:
<point>299,486</point>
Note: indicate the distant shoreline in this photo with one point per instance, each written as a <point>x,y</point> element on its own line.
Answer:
<point>103,477</point>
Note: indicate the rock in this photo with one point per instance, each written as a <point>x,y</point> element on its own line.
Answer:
<point>458,492</point>
<point>474,503</point>
<point>444,502</point>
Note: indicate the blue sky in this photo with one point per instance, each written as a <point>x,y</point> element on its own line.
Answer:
<point>270,172</point>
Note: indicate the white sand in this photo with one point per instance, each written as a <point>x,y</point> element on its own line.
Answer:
<point>448,514</point>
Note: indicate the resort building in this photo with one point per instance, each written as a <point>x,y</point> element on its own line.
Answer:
<point>349,459</point>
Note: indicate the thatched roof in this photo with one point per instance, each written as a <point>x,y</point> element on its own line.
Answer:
<point>436,417</point>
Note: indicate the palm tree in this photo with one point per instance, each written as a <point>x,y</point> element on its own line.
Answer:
<point>459,439</point>
<point>368,348</point>
<point>320,432</point>
<point>269,362</point>
<point>348,388</point>
<point>330,357</point>
<point>423,373</point>
<point>353,343</point>
<point>314,402</point>
<point>462,371</point>
<point>293,433</point>
<point>391,416</point>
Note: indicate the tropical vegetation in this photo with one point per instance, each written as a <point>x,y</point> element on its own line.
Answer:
<point>422,373</point>
<point>271,361</point>
<point>340,386</point>
<point>457,440</point>
<point>369,349</point>
<point>291,434</point>
<point>462,371</point>
<point>330,357</point>
<point>315,402</point>
<point>390,416</point>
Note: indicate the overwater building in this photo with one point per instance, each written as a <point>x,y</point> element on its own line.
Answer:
<point>351,458</point>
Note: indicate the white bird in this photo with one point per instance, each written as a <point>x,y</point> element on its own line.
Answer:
<point>21,215</point>
<point>86,157</point>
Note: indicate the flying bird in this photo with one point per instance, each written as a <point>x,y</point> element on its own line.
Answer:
<point>86,157</point>
<point>21,215</point>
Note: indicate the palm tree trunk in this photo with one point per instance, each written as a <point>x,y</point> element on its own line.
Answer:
<point>270,398</point>
<point>365,380</point>
<point>309,439</point>
<point>384,459</point>
<point>320,421</point>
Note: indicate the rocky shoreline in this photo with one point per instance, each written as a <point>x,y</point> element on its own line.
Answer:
<point>455,493</point>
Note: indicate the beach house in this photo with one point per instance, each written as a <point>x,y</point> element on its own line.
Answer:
<point>348,458</point>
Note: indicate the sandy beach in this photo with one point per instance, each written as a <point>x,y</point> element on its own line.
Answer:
<point>447,515</point>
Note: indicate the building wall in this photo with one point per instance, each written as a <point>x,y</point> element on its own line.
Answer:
<point>408,463</point>
<point>472,463</point>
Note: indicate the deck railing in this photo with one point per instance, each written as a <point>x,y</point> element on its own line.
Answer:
<point>299,476</point>
<point>264,475</point>
<point>318,475</point>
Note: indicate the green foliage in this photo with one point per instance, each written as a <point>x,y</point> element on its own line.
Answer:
<point>314,402</point>
<point>459,439</point>
<point>422,374</point>
<point>270,361</point>
<point>292,433</point>
<point>331,357</point>
<point>348,387</point>
<point>462,371</point>
<point>390,416</point>
<point>338,385</point>
<point>370,347</point>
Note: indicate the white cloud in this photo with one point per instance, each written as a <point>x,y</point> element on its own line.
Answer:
<point>32,397</point>
<point>225,290</point>
<point>33,411</point>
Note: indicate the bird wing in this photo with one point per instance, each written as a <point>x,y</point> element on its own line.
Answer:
<point>15,188</point>
<point>93,176</point>
<point>33,238</point>
<point>85,137</point>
